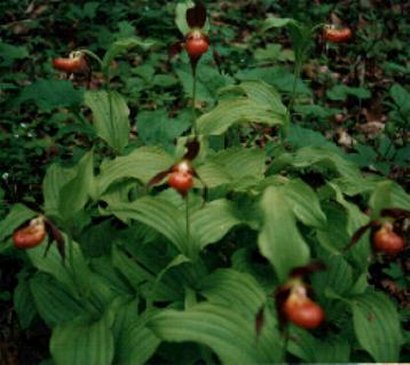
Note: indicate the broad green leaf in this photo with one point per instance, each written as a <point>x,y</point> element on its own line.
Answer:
<point>377,326</point>
<point>355,219</point>
<point>159,214</point>
<point>50,94</point>
<point>229,112</point>
<point>23,303</point>
<point>213,174</point>
<point>134,342</point>
<point>401,97</point>
<point>18,215</point>
<point>279,239</point>
<point>53,302</point>
<point>341,92</point>
<point>75,193</point>
<point>388,194</point>
<point>335,236</point>
<point>261,104</point>
<point>56,178</point>
<point>231,336</point>
<point>156,127</point>
<point>234,289</point>
<point>305,203</point>
<point>83,342</point>
<point>313,350</point>
<point>10,53</point>
<point>110,117</point>
<point>260,92</point>
<point>274,22</point>
<point>142,280</point>
<point>121,46</point>
<point>74,273</point>
<point>212,222</point>
<point>325,158</point>
<point>241,163</point>
<point>142,164</point>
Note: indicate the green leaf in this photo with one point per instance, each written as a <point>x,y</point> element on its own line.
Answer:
<point>377,326</point>
<point>320,158</point>
<point>74,273</point>
<point>231,336</point>
<point>110,117</point>
<point>137,276</point>
<point>56,178</point>
<point>304,203</point>
<point>23,303</point>
<point>313,350</point>
<point>259,106</point>
<point>50,94</point>
<point>241,163</point>
<point>401,97</point>
<point>142,164</point>
<point>341,92</point>
<point>213,174</point>
<point>212,222</point>
<point>135,343</point>
<point>338,276</point>
<point>10,53</point>
<point>121,46</point>
<point>155,127</point>
<point>234,289</point>
<point>279,239</point>
<point>75,193</point>
<point>388,194</point>
<point>274,22</point>
<point>83,342</point>
<point>54,303</point>
<point>159,214</point>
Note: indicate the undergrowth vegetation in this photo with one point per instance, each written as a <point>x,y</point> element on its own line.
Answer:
<point>204,183</point>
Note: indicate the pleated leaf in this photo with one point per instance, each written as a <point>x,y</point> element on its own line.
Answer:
<point>313,350</point>
<point>212,222</point>
<point>388,194</point>
<point>110,117</point>
<point>138,277</point>
<point>157,213</point>
<point>338,277</point>
<point>53,302</point>
<point>74,273</point>
<point>260,103</point>
<point>56,177</point>
<point>134,342</point>
<point>234,289</point>
<point>75,193</point>
<point>231,336</point>
<point>279,240</point>
<point>304,203</point>
<point>83,342</point>
<point>318,157</point>
<point>241,163</point>
<point>260,92</point>
<point>240,110</point>
<point>142,164</point>
<point>213,174</point>
<point>23,303</point>
<point>377,326</point>
<point>121,46</point>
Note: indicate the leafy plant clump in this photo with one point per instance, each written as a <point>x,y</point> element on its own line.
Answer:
<point>213,226</point>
